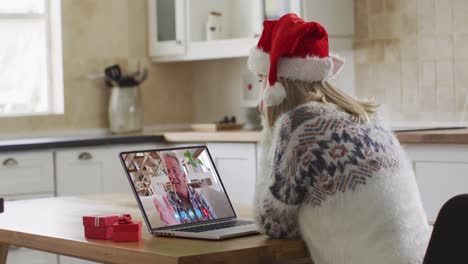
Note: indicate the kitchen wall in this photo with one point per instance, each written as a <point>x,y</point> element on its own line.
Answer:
<point>217,84</point>
<point>217,87</point>
<point>98,33</point>
<point>412,56</point>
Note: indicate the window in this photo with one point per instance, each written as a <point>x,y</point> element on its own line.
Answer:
<point>31,80</point>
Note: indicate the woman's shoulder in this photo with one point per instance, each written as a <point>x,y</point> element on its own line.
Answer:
<point>310,112</point>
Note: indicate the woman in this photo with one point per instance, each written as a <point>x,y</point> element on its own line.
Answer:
<point>331,171</point>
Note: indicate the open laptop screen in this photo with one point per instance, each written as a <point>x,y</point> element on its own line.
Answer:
<point>177,186</point>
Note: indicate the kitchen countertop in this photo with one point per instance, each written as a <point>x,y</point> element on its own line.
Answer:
<point>451,136</point>
<point>73,142</point>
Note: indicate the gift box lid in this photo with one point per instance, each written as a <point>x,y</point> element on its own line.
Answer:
<point>135,226</point>
<point>100,220</point>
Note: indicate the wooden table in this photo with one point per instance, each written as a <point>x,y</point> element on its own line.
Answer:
<point>55,225</point>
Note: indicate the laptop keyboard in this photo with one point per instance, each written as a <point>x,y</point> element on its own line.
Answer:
<point>222,225</point>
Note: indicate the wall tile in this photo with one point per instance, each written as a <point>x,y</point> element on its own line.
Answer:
<point>429,45</point>
<point>385,26</point>
<point>365,81</point>
<point>461,46</point>
<point>362,26</point>
<point>444,16</point>
<point>460,17</point>
<point>409,23</point>
<point>392,50</point>
<point>444,47</point>
<point>426,15</point>
<point>409,48</point>
<point>427,48</point>
<point>445,73</point>
<point>376,6</point>
<point>428,99</point>
<point>427,74</point>
<point>411,5</point>
<point>446,101</point>
<point>87,32</point>
<point>392,5</point>
<point>410,75</point>
<point>376,51</point>
<point>361,51</point>
<point>461,82</point>
<point>138,29</point>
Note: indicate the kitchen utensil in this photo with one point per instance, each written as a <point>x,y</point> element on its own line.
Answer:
<point>113,72</point>
<point>141,76</point>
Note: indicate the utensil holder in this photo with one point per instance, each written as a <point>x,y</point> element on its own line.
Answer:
<point>125,110</point>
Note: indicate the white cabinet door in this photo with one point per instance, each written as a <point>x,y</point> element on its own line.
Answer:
<point>167,27</point>
<point>237,168</point>
<point>441,172</point>
<point>94,170</point>
<point>26,173</point>
<point>80,171</point>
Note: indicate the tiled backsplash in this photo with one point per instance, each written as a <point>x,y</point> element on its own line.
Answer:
<point>412,56</point>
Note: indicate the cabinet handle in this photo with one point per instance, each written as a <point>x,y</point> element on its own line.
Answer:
<point>178,42</point>
<point>85,156</point>
<point>10,162</point>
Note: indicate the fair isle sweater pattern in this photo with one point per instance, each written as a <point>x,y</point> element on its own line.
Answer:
<point>330,155</point>
<point>318,152</point>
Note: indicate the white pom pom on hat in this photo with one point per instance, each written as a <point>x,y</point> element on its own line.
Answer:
<point>274,95</point>
<point>293,49</point>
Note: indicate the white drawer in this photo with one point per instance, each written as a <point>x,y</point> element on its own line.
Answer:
<point>26,173</point>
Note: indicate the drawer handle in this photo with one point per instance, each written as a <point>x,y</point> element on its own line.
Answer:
<point>10,162</point>
<point>85,156</point>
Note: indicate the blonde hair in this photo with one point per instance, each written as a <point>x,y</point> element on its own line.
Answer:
<point>300,92</point>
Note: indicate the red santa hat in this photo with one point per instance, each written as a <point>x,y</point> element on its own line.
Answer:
<point>293,49</point>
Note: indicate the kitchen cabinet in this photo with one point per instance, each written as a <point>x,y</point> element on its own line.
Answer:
<point>97,170</point>
<point>237,166</point>
<point>441,173</point>
<point>167,27</point>
<point>177,28</point>
<point>26,173</point>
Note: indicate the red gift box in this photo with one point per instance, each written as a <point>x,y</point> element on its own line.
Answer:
<point>127,230</point>
<point>99,226</point>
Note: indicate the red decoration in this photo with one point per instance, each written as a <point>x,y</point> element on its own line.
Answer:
<point>127,230</point>
<point>293,49</point>
<point>249,86</point>
<point>291,36</point>
<point>99,226</point>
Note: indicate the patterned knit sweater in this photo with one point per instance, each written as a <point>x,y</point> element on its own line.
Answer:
<point>346,188</point>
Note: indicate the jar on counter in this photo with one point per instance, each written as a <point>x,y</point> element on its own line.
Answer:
<point>125,109</point>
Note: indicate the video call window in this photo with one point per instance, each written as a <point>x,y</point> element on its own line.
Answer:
<point>178,186</point>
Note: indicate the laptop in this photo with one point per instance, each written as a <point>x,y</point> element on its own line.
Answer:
<point>180,193</point>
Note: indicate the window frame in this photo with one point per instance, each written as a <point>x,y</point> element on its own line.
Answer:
<point>54,56</point>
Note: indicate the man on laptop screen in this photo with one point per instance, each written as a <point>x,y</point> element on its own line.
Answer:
<point>182,203</point>
<point>177,186</point>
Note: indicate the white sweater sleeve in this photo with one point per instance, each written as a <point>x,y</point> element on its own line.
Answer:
<point>279,188</point>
